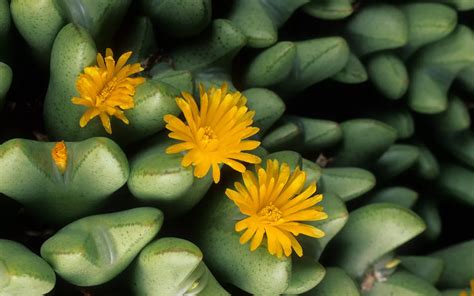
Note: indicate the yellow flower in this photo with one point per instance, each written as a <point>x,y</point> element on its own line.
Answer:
<point>276,206</point>
<point>59,155</point>
<point>464,293</point>
<point>106,90</point>
<point>213,134</point>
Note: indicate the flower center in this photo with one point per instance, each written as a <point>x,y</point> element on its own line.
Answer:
<point>106,90</point>
<point>271,212</point>
<point>209,135</point>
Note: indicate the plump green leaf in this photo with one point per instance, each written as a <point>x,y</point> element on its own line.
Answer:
<point>22,272</point>
<point>181,18</point>
<point>306,273</point>
<point>335,282</point>
<point>401,196</point>
<point>403,283</point>
<point>454,119</point>
<point>316,60</point>
<point>347,183</point>
<point>389,75</point>
<point>435,67</point>
<point>6,76</point>
<point>377,27</point>
<point>427,22</point>
<point>268,107</point>
<point>95,249</point>
<point>400,119</point>
<point>158,178</point>
<point>38,22</point>
<point>456,181</point>
<point>459,264</point>
<point>429,212</point>
<point>283,136</point>
<point>428,268</point>
<point>329,9</point>
<point>396,160</point>
<point>337,218</point>
<point>271,65</point>
<point>222,42</point>
<point>139,38</point>
<point>371,232</point>
<point>427,166</point>
<point>101,18</point>
<point>95,169</point>
<point>171,266</point>
<point>353,72</point>
<point>363,141</point>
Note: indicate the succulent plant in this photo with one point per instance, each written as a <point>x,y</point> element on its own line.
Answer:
<point>313,147</point>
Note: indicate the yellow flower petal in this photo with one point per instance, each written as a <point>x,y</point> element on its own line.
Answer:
<point>107,90</point>
<point>276,208</point>
<point>214,132</point>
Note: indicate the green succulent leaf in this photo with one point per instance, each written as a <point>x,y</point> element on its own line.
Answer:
<point>337,218</point>
<point>305,275</point>
<point>95,249</point>
<point>181,18</point>
<point>283,135</point>
<point>427,268</point>
<point>363,141</point>
<point>429,212</point>
<point>38,22</point>
<point>454,119</point>
<point>101,18</point>
<point>427,22</point>
<point>260,19</point>
<point>456,181</point>
<point>353,72</point>
<point>403,283</point>
<point>466,78</point>
<point>459,4</point>
<point>173,266</point>
<point>6,75</point>
<point>159,178</point>
<point>222,42</point>
<point>22,272</point>
<point>96,168</point>
<point>396,160</point>
<point>316,60</point>
<point>427,166</point>
<point>179,79</point>
<point>347,183</point>
<point>271,66</point>
<point>268,107</point>
<point>400,119</point>
<point>377,27</point>
<point>371,232</point>
<point>329,9</point>
<point>335,282</point>
<point>435,67</point>
<point>388,74</point>
<point>402,196</point>
<point>5,20</point>
<point>139,38</point>
<point>459,265</point>
<point>313,171</point>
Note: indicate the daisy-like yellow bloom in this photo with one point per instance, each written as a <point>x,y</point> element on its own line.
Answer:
<point>277,207</point>
<point>107,89</point>
<point>464,293</point>
<point>214,132</point>
<point>59,155</point>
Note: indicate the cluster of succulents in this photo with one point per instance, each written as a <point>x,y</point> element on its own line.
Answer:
<point>133,173</point>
